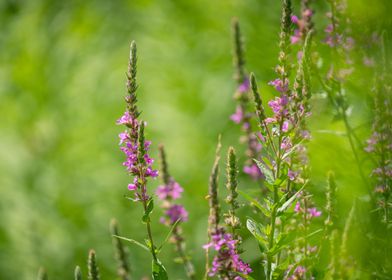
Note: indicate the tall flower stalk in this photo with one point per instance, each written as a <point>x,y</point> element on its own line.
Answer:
<point>227,263</point>
<point>379,145</point>
<point>175,214</point>
<point>138,163</point>
<point>243,115</point>
<point>284,158</point>
<point>341,45</point>
<point>231,220</point>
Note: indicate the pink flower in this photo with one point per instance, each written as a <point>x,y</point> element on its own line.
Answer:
<point>253,171</point>
<point>279,85</point>
<point>285,126</point>
<point>294,19</point>
<point>177,212</point>
<point>297,207</point>
<point>313,212</point>
<point>171,191</point>
<point>238,116</point>
<point>244,87</point>
<point>292,174</point>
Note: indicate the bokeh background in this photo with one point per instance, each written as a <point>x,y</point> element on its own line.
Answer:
<point>62,82</point>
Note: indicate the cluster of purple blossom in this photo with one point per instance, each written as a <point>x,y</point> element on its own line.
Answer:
<point>302,25</point>
<point>227,263</point>
<point>130,147</point>
<point>174,212</point>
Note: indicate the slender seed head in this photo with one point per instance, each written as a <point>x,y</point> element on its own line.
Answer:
<point>120,252</point>
<point>331,200</point>
<point>305,8</point>
<point>77,273</point>
<point>232,183</point>
<point>232,171</point>
<point>345,235</point>
<point>334,255</point>
<point>214,217</point>
<point>93,271</point>
<point>132,86</point>
<point>258,103</point>
<point>302,79</point>
<point>284,44</point>
<point>42,274</point>
<point>238,53</point>
<point>164,165</point>
<point>141,141</point>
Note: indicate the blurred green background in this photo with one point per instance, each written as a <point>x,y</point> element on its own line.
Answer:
<point>62,82</point>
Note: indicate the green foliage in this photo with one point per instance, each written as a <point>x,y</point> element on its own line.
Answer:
<point>62,78</point>
<point>158,271</point>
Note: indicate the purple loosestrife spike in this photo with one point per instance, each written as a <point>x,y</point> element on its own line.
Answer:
<point>258,103</point>
<point>284,44</point>
<point>227,264</point>
<point>120,252</point>
<point>174,213</point>
<point>214,217</point>
<point>164,165</point>
<point>93,271</point>
<point>238,53</point>
<point>379,145</point>
<point>232,221</point>
<point>131,99</point>
<point>303,24</point>
<point>42,274</point>
<point>77,273</point>
<point>243,116</point>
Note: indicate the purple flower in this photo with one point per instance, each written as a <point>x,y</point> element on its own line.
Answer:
<point>129,146</point>
<point>292,174</point>
<point>278,104</point>
<point>294,19</point>
<point>296,37</point>
<point>313,212</point>
<point>171,191</point>
<point>253,171</point>
<point>285,126</point>
<point>227,262</point>
<point>307,13</point>
<point>280,85</point>
<point>177,212</point>
<point>126,119</point>
<point>286,144</point>
<point>244,87</point>
<point>238,116</point>
<point>297,207</point>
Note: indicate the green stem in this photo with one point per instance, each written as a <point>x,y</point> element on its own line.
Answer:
<point>149,233</point>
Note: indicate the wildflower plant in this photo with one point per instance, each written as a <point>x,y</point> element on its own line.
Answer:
<point>227,263</point>
<point>379,145</point>
<point>243,114</point>
<point>175,214</point>
<point>138,162</point>
<point>287,223</point>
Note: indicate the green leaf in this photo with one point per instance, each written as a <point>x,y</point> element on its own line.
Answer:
<point>269,177</point>
<point>290,200</point>
<point>158,271</point>
<point>169,234</point>
<point>150,207</point>
<point>254,202</point>
<point>255,229</point>
<point>133,241</point>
